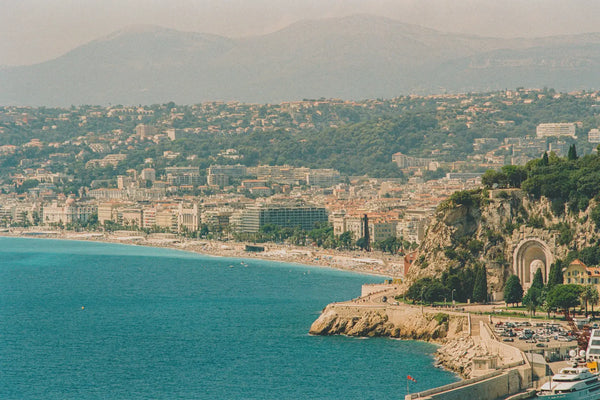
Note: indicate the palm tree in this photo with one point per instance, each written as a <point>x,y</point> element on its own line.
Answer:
<point>589,294</point>
<point>585,297</point>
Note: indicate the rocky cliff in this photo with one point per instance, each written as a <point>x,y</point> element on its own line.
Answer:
<point>487,229</point>
<point>393,321</point>
<point>405,322</point>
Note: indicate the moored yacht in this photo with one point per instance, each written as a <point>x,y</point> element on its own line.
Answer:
<point>593,350</point>
<point>570,384</point>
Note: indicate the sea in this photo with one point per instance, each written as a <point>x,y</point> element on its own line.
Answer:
<point>84,320</point>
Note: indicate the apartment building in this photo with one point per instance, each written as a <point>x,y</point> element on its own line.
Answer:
<point>188,218</point>
<point>144,131</point>
<point>594,135</point>
<point>404,161</point>
<point>291,216</point>
<point>67,213</point>
<point>322,178</point>
<point>148,174</point>
<point>555,129</point>
<point>220,175</point>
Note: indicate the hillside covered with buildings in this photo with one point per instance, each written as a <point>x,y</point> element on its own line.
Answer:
<point>339,174</point>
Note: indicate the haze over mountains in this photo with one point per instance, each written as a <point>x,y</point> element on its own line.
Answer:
<point>352,58</point>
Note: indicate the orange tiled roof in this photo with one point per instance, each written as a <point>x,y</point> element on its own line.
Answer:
<point>593,271</point>
<point>578,262</point>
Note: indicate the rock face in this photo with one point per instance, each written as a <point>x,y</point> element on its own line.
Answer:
<point>396,322</point>
<point>490,230</point>
<point>457,355</point>
<point>405,322</point>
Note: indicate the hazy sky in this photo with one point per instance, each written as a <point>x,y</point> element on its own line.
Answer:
<point>32,31</point>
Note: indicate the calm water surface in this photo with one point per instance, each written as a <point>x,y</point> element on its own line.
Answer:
<point>81,320</point>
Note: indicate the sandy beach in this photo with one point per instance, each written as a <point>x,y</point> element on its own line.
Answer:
<point>372,263</point>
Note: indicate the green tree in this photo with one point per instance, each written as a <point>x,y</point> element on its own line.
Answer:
<point>533,299</point>
<point>435,291</point>
<point>494,179</point>
<point>572,154</point>
<point>513,291</point>
<point>555,277</point>
<point>416,291</point>
<point>466,198</point>
<point>538,280</point>
<point>543,301</point>
<point>480,287</point>
<point>26,185</point>
<point>515,175</point>
<point>362,243</point>
<point>588,294</point>
<point>345,240</point>
<point>564,297</point>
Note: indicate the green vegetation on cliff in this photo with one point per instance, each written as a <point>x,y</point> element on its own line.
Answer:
<point>572,180</point>
<point>552,201</point>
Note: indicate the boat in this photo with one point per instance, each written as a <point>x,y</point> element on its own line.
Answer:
<point>575,383</point>
<point>593,350</point>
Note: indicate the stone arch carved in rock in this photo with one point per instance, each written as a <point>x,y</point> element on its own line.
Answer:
<point>530,255</point>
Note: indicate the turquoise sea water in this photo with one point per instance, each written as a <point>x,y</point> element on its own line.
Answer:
<point>81,320</point>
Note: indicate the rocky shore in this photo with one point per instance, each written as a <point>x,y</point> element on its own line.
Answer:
<point>457,355</point>
<point>364,317</point>
<point>403,322</point>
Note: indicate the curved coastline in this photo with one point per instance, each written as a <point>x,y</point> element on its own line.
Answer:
<point>384,266</point>
<point>201,293</point>
<point>240,255</point>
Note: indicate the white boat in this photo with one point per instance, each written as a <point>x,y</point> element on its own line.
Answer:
<point>593,350</point>
<point>576,383</point>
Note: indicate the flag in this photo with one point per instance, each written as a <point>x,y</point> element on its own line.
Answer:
<point>410,378</point>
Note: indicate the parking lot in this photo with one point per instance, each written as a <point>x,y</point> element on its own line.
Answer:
<point>552,339</point>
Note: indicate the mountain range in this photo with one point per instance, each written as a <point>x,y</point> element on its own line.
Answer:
<point>354,57</point>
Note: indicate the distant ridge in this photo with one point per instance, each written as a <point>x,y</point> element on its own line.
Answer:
<point>354,57</point>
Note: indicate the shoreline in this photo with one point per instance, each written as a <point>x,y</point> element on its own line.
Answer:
<point>374,263</point>
<point>302,256</point>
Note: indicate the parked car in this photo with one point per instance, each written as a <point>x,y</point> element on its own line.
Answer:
<point>508,339</point>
